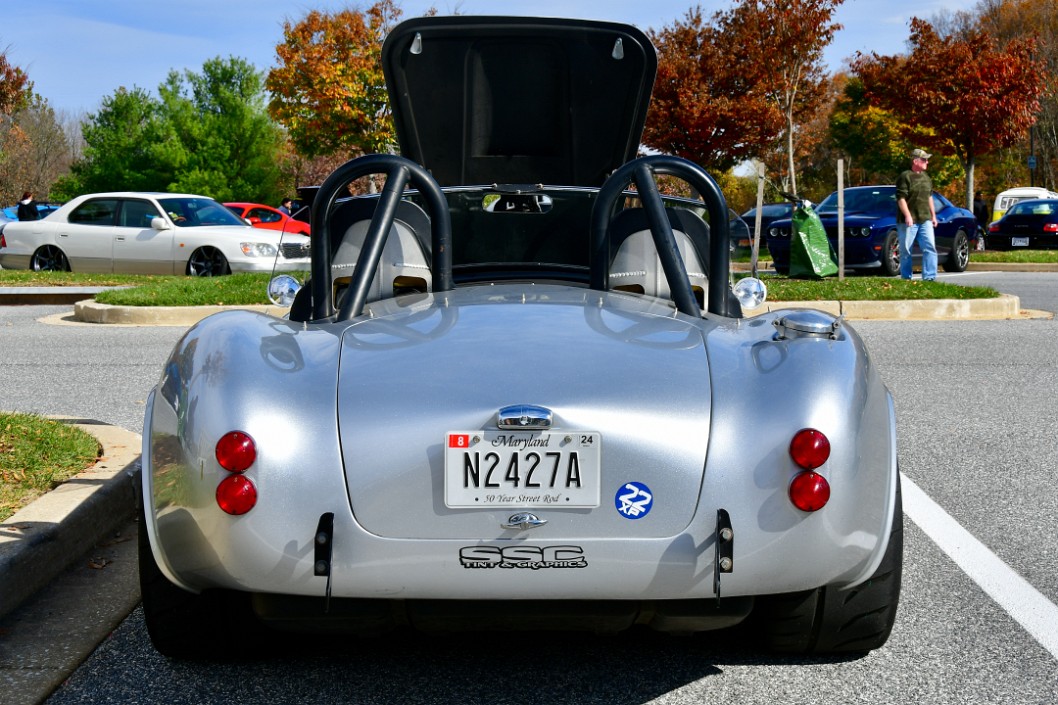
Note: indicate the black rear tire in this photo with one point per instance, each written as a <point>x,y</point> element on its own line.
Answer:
<point>181,624</point>
<point>828,620</point>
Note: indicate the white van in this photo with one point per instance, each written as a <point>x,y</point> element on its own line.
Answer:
<point>1011,196</point>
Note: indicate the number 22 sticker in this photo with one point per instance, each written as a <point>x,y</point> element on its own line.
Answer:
<point>634,500</point>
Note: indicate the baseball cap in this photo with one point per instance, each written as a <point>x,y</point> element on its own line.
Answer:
<point>920,154</point>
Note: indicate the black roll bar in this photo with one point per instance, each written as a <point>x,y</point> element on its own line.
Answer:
<point>399,173</point>
<point>642,172</point>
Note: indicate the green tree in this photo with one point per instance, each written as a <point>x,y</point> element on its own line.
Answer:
<point>208,133</point>
<point>225,146</point>
<point>328,90</point>
<point>128,146</point>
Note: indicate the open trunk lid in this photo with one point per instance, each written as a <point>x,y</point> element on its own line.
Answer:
<point>518,100</point>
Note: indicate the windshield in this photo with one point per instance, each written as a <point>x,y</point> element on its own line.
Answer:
<point>864,200</point>
<point>1035,208</point>
<point>193,212</point>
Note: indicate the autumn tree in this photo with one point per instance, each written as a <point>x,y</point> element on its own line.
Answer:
<point>328,89</point>
<point>704,108</point>
<point>784,41</point>
<point>34,151</point>
<point>875,143</point>
<point>15,86</point>
<point>731,89</point>
<point>970,94</point>
<point>1007,20</point>
<point>15,92</point>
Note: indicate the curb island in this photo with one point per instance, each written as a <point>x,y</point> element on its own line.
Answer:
<point>1004,307</point>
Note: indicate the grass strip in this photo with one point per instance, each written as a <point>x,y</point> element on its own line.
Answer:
<point>233,290</point>
<point>27,277</point>
<point>869,289</point>
<point>1016,256</point>
<point>37,455</point>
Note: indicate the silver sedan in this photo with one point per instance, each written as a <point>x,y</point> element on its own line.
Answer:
<point>148,233</point>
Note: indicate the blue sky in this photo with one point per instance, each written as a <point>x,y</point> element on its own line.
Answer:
<point>78,51</point>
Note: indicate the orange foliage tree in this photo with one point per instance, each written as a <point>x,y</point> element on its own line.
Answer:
<point>971,94</point>
<point>730,90</point>
<point>1012,19</point>
<point>15,92</point>
<point>328,90</point>
<point>15,86</point>
<point>704,108</point>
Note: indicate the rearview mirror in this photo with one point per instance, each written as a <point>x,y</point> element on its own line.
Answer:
<point>159,223</point>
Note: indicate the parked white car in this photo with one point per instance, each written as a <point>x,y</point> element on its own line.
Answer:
<point>148,233</point>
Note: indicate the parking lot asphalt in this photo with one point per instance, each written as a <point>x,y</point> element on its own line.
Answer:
<point>40,542</point>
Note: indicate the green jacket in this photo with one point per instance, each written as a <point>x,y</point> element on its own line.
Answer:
<point>917,190</point>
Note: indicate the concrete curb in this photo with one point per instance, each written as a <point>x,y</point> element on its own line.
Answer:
<point>40,540</point>
<point>91,311</point>
<point>1006,306</point>
<point>1010,267</point>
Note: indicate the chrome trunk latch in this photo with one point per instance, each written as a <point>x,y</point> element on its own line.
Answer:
<point>523,417</point>
<point>523,521</point>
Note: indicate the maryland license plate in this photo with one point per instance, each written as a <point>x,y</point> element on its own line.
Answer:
<point>515,469</point>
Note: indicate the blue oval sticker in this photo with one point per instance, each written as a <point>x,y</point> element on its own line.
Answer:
<point>634,500</point>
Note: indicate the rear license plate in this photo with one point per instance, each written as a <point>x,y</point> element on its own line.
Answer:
<point>1019,242</point>
<point>517,469</point>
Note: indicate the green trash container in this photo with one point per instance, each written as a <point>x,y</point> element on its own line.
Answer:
<point>811,255</point>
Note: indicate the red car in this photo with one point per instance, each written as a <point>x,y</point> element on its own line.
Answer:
<point>261,216</point>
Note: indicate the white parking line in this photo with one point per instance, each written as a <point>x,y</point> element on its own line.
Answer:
<point>1029,608</point>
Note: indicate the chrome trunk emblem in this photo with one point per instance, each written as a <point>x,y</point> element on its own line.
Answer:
<point>523,417</point>
<point>523,521</point>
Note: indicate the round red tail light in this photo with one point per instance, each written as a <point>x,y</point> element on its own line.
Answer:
<point>236,451</point>
<point>809,491</point>
<point>809,448</point>
<point>236,494</point>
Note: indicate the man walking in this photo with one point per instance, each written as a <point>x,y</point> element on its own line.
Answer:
<point>918,218</point>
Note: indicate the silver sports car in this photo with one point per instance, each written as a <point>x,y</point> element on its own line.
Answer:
<point>525,393</point>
